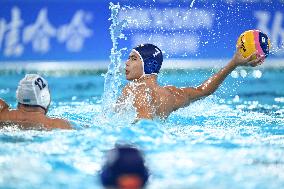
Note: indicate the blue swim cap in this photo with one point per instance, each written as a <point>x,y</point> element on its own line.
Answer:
<point>151,56</point>
<point>123,160</point>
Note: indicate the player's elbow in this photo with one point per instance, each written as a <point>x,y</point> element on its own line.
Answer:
<point>207,93</point>
<point>204,92</point>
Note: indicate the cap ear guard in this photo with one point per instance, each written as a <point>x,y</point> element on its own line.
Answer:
<point>151,66</point>
<point>151,57</point>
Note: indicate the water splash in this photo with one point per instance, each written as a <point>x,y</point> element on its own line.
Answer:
<point>277,50</point>
<point>191,4</point>
<point>112,77</point>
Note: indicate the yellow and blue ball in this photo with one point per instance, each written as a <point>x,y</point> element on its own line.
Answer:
<point>254,41</point>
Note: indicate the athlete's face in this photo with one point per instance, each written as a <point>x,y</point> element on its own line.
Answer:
<point>134,67</point>
<point>129,181</point>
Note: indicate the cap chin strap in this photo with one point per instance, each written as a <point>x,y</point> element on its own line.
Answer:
<point>145,75</point>
<point>29,105</point>
<point>143,65</point>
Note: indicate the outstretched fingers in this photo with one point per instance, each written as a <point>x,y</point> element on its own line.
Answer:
<point>238,47</point>
<point>251,57</point>
<point>256,62</point>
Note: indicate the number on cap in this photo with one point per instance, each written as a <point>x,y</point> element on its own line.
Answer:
<point>39,82</point>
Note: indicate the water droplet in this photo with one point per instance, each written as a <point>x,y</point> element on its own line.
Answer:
<point>243,73</point>
<point>235,74</point>
<point>257,74</point>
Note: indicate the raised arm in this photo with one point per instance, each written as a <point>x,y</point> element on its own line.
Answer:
<point>190,94</point>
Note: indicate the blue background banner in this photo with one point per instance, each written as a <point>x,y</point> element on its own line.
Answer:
<point>74,30</point>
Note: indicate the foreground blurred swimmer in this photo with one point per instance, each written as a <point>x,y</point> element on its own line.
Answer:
<point>33,101</point>
<point>152,100</point>
<point>124,169</point>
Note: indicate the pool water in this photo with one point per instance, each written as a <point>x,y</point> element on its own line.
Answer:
<point>232,139</point>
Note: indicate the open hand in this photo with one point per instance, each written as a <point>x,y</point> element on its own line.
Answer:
<point>239,60</point>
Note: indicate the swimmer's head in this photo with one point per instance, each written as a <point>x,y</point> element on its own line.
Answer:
<point>124,168</point>
<point>33,91</point>
<point>151,57</point>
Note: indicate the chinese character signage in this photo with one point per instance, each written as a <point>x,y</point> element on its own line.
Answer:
<point>79,30</point>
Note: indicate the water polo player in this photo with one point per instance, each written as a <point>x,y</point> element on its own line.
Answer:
<point>124,169</point>
<point>33,98</point>
<point>152,100</point>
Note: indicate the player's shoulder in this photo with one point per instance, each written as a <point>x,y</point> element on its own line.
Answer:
<point>135,88</point>
<point>59,123</point>
<point>172,89</point>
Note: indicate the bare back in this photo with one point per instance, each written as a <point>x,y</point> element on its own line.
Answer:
<point>163,100</point>
<point>170,98</point>
<point>27,119</point>
<point>152,100</point>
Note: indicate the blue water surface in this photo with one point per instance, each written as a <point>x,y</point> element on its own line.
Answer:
<point>232,139</point>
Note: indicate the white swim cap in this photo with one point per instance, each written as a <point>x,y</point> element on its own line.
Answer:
<point>33,90</point>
